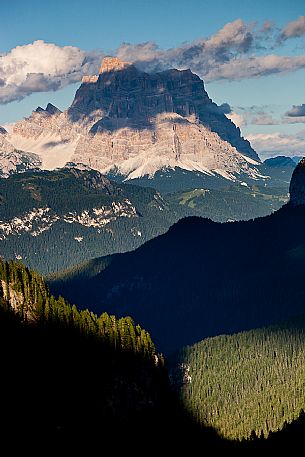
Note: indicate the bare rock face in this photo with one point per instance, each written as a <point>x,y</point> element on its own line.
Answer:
<point>92,179</point>
<point>297,185</point>
<point>13,160</point>
<point>137,123</point>
<point>113,64</point>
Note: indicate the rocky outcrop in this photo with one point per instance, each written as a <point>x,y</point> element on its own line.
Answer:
<point>297,185</point>
<point>138,123</point>
<point>13,160</point>
<point>92,179</point>
<point>125,96</point>
<point>113,64</point>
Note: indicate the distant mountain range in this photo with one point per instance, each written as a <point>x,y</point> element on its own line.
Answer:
<point>202,278</point>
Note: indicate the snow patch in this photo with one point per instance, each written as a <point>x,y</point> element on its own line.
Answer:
<point>39,220</point>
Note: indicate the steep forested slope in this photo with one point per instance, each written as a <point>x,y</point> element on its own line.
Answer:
<point>202,279</point>
<point>250,382</point>
<point>53,220</point>
<point>67,372</point>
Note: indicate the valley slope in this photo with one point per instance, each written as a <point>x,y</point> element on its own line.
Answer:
<point>53,220</point>
<point>202,278</point>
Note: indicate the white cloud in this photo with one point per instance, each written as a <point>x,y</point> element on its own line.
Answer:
<point>231,53</point>
<point>201,55</point>
<point>228,54</point>
<point>40,67</point>
<point>253,67</point>
<point>272,144</point>
<point>293,29</point>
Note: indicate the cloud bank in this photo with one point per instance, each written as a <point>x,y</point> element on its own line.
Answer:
<point>40,67</point>
<point>293,29</point>
<point>237,51</point>
<point>273,144</point>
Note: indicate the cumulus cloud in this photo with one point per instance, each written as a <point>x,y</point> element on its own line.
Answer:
<point>272,144</point>
<point>237,51</point>
<point>293,29</point>
<point>254,115</point>
<point>265,115</point>
<point>296,111</point>
<point>42,66</point>
<point>229,54</point>
<point>235,38</point>
<point>255,67</point>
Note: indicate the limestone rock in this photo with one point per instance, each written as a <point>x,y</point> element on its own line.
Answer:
<point>12,160</point>
<point>113,64</point>
<point>137,123</point>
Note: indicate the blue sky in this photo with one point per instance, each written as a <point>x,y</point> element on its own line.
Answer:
<point>258,101</point>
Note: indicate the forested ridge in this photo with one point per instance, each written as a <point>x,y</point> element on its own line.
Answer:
<point>69,374</point>
<point>247,384</point>
<point>25,292</point>
<point>201,278</point>
<point>72,380</point>
<point>70,190</point>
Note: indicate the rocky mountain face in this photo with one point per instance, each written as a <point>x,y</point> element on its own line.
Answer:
<point>13,160</point>
<point>297,185</point>
<point>53,220</point>
<point>134,124</point>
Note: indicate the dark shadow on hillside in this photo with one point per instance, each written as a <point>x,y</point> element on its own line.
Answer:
<point>63,389</point>
<point>64,392</point>
<point>202,279</point>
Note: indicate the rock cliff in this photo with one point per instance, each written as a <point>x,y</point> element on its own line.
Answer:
<point>13,160</point>
<point>135,123</point>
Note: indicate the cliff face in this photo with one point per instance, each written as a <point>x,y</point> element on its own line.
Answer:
<point>127,97</point>
<point>136,124</point>
<point>13,160</point>
<point>297,185</point>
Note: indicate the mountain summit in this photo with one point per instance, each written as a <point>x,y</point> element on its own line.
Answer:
<point>133,123</point>
<point>113,64</point>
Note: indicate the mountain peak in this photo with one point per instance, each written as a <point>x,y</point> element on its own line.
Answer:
<point>297,185</point>
<point>50,109</point>
<point>113,64</point>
